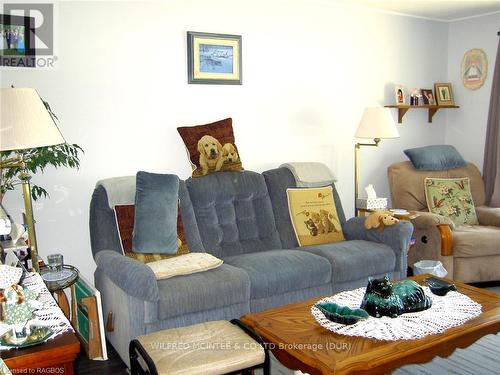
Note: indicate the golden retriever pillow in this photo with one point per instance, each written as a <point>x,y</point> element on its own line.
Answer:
<point>314,216</point>
<point>211,147</point>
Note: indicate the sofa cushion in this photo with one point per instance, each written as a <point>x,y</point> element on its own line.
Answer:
<point>216,288</point>
<point>155,222</point>
<point>233,213</point>
<point>280,271</point>
<point>475,240</point>
<point>353,260</point>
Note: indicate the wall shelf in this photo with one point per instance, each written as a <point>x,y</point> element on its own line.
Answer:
<point>402,109</point>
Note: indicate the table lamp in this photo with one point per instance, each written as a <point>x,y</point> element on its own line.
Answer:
<point>25,123</point>
<point>377,123</point>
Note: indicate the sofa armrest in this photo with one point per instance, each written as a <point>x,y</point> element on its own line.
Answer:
<point>488,216</point>
<point>133,277</point>
<point>397,237</point>
<point>427,222</point>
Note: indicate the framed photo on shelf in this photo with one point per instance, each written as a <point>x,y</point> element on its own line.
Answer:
<point>399,94</point>
<point>444,94</point>
<point>428,96</point>
<point>214,58</point>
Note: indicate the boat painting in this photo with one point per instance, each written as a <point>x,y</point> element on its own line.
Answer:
<point>216,58</point>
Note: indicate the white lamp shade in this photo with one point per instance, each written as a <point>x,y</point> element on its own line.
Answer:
<point>377,122</point>
<point>25,122</point>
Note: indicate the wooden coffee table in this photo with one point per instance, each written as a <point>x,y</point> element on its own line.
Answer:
<point>300,343</point>
<point>55,356</point>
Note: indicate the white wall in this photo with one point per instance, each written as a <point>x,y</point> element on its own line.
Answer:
<point>466,127</point>
<point>309,69</point>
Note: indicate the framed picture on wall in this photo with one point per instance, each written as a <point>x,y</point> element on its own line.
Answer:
<point>214,58</point>
<point>17,41</point>
<point>428,96</point>
<point>399,94</point>
<point>444,94</point>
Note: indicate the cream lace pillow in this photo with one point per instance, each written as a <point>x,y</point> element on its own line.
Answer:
<point>184,265</point>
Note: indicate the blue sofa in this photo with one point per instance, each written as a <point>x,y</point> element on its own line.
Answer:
<point>242,218</point>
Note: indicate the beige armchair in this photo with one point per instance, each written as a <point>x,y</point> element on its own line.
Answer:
<point>470,253</point>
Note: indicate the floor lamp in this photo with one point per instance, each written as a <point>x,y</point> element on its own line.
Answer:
<point>377,123</point>
<point>25,123</point>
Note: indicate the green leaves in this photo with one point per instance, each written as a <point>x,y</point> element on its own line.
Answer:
<point>36,160</point>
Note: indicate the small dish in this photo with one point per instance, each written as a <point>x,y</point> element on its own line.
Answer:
<point>399,211</point>
<point>439,287</point>
<point>341,314</point>
<point>37,336</point>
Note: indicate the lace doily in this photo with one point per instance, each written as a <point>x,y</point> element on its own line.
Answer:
<point>448,311</point>
<point>50,315</point>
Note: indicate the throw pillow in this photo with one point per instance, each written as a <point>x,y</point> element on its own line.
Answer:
<point>124,215</point>
<point>184,265</point>
<point>156,201</point>
<point>451,197</point>
<point>314,216</point>
<point>211,147</point>
<point>435,157</point>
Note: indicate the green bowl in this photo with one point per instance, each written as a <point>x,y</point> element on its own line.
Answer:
<point>341,314</point>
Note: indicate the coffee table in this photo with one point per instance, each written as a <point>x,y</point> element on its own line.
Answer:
<point>300,343</point>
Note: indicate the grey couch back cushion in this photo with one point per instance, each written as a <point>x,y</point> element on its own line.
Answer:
<point>278,180</point>
<point>233,213</point>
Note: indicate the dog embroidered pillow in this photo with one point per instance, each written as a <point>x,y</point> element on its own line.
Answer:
<point>211,147</point>
<point>314,215</point>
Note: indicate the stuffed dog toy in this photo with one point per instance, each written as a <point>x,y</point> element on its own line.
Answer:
<point>210,154</point>
<point>380,219</point>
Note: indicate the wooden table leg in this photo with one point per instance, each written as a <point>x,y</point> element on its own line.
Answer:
<point>62,300</point>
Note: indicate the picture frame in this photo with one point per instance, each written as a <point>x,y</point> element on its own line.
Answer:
<point>17,41</point>
<point>444,94</point>
<point>428,96</point>
<point>474,68</point>
<point>214,58</point>
<point>400,94</point>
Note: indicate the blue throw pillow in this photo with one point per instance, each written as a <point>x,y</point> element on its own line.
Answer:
<point>156,204</point>
<point>435,158</point>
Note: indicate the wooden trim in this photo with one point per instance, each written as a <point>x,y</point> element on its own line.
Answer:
<point>446,239</point>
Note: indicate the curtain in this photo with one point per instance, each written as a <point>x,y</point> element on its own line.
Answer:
<point>491,165</point>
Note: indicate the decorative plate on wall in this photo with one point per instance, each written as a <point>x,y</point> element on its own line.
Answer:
<point>474,68</point>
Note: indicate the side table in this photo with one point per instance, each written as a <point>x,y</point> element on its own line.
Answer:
<point>57,285</point>
<point>409,216</point>
<point>55,356</point>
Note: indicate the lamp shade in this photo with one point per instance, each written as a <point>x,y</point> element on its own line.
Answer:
<point>377,122</point>
<point>25,122</point>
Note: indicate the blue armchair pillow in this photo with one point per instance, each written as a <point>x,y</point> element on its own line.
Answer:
<point>155,222</point>
<point>435,157</point>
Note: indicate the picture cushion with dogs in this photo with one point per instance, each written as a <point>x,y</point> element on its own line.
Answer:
<point>314,216</point>
<point>211,147</point>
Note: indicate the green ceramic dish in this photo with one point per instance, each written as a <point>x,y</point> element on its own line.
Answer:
<point>341,314</point>
<point>37,336</point>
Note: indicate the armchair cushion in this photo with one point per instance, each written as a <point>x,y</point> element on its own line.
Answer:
<point>133,277</point>
<point>354,260</point>
<point>488,216</point>
<point>475,241</point>
<point>435,157</point>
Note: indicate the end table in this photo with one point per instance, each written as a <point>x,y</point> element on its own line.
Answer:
<point>58,281</point>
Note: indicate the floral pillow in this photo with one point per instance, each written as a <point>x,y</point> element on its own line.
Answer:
<point>451,197</point>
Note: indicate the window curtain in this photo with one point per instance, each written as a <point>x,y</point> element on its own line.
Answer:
<point>491,164</point>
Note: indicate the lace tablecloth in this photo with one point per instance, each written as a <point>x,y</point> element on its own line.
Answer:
<point>448,311</point>
<point>50,315</point>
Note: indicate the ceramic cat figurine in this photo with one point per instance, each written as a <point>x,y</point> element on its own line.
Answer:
<point>382,298</point>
